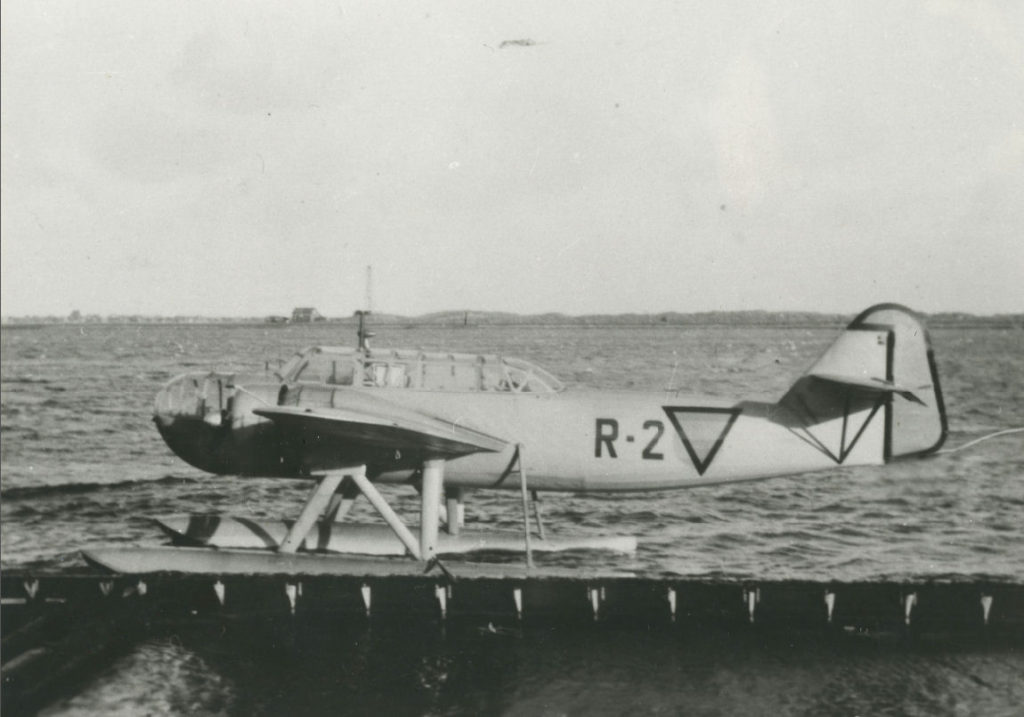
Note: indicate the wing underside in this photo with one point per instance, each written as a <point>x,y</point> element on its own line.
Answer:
<point>385,426</point>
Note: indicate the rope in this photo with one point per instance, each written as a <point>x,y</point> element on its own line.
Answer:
<point>976,441</point>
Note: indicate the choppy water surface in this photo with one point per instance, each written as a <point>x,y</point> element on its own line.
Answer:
<point>83,466</point>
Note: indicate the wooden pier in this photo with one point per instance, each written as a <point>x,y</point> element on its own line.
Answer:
<point>58,628</point>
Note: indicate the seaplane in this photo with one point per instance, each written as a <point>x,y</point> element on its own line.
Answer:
<point>350,419</point>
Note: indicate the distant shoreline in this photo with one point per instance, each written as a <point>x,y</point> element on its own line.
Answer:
<point>473,319</point>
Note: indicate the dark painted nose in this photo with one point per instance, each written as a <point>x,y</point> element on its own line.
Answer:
<point>207,420</point>
<point>191,413</point>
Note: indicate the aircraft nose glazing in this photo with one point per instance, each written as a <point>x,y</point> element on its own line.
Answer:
<point>191,397</point>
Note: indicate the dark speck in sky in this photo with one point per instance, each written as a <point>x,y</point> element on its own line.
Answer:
<point>526,42</point>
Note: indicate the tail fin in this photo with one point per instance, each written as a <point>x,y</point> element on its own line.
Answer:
<point>883,361</point>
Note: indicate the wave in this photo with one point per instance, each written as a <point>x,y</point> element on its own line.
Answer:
<point>34,491</point>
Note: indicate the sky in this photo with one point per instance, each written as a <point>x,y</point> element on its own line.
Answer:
<point>244,158</point>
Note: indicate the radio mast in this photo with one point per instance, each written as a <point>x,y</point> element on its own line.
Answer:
<point>369,289</point>
<point>362,333</point>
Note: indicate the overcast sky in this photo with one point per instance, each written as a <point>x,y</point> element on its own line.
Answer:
<point>244,158</point>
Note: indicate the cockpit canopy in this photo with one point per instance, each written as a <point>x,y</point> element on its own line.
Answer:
<point>425,371</point>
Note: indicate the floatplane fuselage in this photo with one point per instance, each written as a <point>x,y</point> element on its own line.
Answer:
<point>449,422</point>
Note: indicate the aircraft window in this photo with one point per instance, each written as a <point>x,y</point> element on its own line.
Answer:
<point>431,372</point>
<point>342,372</point>
<point>434,372</point>
<point>437,376</point>
<point>492,378</point>
<point>530,378</point>
<point>396,376</point>
<point>518,380</point>
<point>384,375</point>
<point>465,377</point>
<point>321,368</point>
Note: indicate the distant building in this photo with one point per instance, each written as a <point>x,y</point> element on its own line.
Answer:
<point>305,315</point>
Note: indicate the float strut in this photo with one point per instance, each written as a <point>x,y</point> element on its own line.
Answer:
<point>390,517</point>
<point>526,506</point>
<point>430,501</point>
<point>341,502</point>
<point>453,498</point>
<point>315,504</point>
<point>536,514</point>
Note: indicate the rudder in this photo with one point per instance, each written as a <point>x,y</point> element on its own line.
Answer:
<point>882,361</point>
<point>913,428</point>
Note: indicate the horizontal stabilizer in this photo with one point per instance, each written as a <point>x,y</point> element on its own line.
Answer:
<point>385,425</point>
<point>878,385</point>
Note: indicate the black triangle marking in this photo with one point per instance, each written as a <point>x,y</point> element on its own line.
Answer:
<point>702,464</point>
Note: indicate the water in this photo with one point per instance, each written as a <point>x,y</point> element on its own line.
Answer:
<point>282,671</point>
<point>83,466</point>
